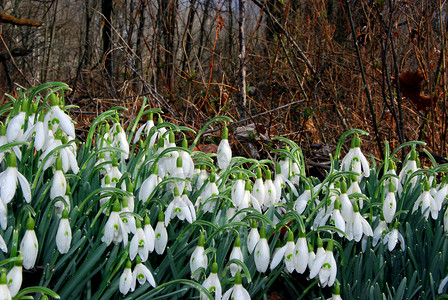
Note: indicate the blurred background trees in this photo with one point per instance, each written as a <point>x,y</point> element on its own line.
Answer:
<point>328,65</point>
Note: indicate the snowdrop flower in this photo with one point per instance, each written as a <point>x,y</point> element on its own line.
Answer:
<point>319,260</point>
<point>127,218</point>
<point>5,294</point>
<point>8,181</point>
<point>346,204</point>
<point>224,153</point>
<point>120,141</point>
<point>394,178</point>
<point>60,205</point>
<point>272,195</point>
<point>149,234</point>
<point>253,237</point>
<point>64,121</point>
<point>15,278</point>
<point>355,154</point>
<point>198,259</point>
<point>286,252</point>
<point>300,257</point>
<point>114,230</point>
<point>14,130</point>
<point>441,194</point>
<point>327,274</point>
<point>180,207</point>
<point>59,183</point>
<point>64,234</point>
<point>236,254</point>
<point>212,284</point>
<point>126,282</point>
<point>142,274</point>
<point>178,172</point>
<point>170,160</point>
<point>149,185</point>
<point>336,218</point>
<point>409,168</point>
<point>29,245</point>
<point>284,164</point>
<point>262,254</point>
<point>40,134</point>
<point>249,199</point>
<point>303,200</point>
<point>311,256</point>
<point>355,189</point>
<point>237,192</point>
<point>161,234</point>
<point>359,226</point>
<point>380,231</point>
<point>209,190</point>
<point>237,291</point>
<point>139,243</point>
<point>426,202</point>
<point>389,204</point>
<point>187,161</point>
<point>130,199</point>
<point>393,237</point>
<point>258,190</point>
<point>146,128</point>
<point>4,141</point>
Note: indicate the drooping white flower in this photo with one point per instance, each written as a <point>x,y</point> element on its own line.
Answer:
<point>127,218</point>
<point>187,161</point>
<point>303,200</point>
<point>198,259</point>
<point>319,260</point>
<point>440,196</point>
<point>142,274</point>
<point>161,234</point>
<point>236,254</point>
<point>5,294</point>
<point>393,237</point>
<point>209,190</point>
<point>64,234</point>
<point>212,284</point>
<point>286,252</point>
<point>15,278</point>
<point>139,244</point>
<point>149,234</point>
<point>409,168</point>
<point>126,282</point>
<point>180,207</point>
<point>237,291</point>
<point>120,141</point>
<point>272,195</point>
<point>389,204</point>
<point>426,203</point>
<point>380,231</point>
<point>355,155</point>
<point>336,292</point>
<point>59,183</point>
<point>300,257</point>
<point>262,253</point>
<point>8,181</point>
<point>149,185</point>
<point>360,226</point>
<point>114,230</point>
<point>224,153</point>
<point>146,128</point>
<point>253,237</point>
<point>64,121</point>
<point>336,218</point>
<point>327,273</point>
<point>258,190</point>
<point>346,204</point>
<point>237,192</point>
<point>29,245</point>
<point>14,130</point>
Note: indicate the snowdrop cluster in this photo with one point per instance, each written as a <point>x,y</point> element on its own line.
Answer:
<point>136,203</point>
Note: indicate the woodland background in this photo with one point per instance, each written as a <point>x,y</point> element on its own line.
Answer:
<point>305,70</point>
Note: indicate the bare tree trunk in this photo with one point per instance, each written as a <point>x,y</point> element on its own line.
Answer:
<point>202,29</point>
<point>230,10</point>
<point>188,32</point>
<point>138,67</point>
<point>106,10</point>
<point>242,11</point>
<point>50,46</point>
